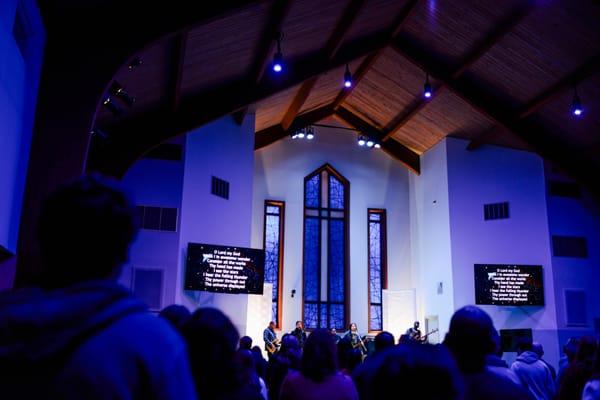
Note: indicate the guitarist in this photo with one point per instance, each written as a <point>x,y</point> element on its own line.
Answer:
<point>355,338</point>
<point>270,339</point>
<point>414,333</point>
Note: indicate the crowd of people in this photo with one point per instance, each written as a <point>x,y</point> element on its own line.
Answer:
<point>79,335</point>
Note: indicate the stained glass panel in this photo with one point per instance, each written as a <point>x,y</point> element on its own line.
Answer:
<point>375,322</point>
<point>375,261</point>
<point>336,193</point>
<point>272,210</point>
<point>272,246</point>
<point>336,316</point>
<point>312,253</point>
<point>312,191</point>
<point>310,315</point>
<point>336,260</point>
<point>323,323</point>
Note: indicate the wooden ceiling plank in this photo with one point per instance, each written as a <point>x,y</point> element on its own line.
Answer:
<point>406,156</point>
<point>501,30</point>
<point>133,137</point>
<point>331,48</point>
<point>368,62</point>
<point>266,44</point>
<point>488,104</point>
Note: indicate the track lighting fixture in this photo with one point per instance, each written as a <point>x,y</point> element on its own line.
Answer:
<point>576,107</point>
<point>278,57</point>
<point>368,142</point>
<point>377,145</point>
<point>427,91</point>
<point>112,106</point>
<point>118,91</point>
<point>361,140</point>
<point>347,78</point>
<point>304,133</point>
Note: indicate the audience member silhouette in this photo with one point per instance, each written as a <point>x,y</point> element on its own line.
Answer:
<point>287,359</point>
<point>245,343</point>
<point>569,350</point>
<point>212,341</point>
<point>383,340</point>
<point>363,374</point>
<point>533,372</point>
<point>176,314</point>
<point>247,370</point>
<point>591,389</point>
<point>579,371</point>
<point>470,339</point>
<point>538,349</point>
<point>260,362</point>
<point>420,371</point>
<point>85,336</point>
<point>318,377</point>
<point>495,364</point>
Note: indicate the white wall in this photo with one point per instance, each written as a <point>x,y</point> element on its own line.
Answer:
<point>376,181</point>
<point>491,175</point>
<point>575,217</point>
<point>19,79</point>
<point>430,230</point>
<point>156,183</point>
<point>225,150</point>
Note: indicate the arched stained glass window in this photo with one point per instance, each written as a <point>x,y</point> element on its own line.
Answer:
<point>273,245</point>
<point>325,275</point>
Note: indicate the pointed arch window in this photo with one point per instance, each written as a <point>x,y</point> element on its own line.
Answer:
<point>325,261</point>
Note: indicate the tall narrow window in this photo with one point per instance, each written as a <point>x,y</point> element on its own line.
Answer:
<point>325,272</point>
<point>377,267</point>
<point>273,245</point>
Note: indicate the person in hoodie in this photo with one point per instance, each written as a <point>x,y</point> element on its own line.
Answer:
<point>533,372</point>
<point>494,362</point>
<point>79,334</point>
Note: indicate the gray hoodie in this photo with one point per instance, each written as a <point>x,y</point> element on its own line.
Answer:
<point>93,340</point>
<point>535,375</point>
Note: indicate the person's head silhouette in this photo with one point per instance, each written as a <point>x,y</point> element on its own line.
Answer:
<point>85,231</point>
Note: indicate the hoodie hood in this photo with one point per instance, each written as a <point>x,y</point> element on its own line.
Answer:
<point>36,325</point>
<point>492,360</point>
<point>528,357</point>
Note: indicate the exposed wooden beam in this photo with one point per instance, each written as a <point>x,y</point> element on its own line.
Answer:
<point>477,52</point>
<point>489,104</point>
<point>370,60</point>
<point>176,73</point>
<point>406,156</point>
<point>274,133</point>
<point>135,136</point>
<point>266,44</point>
<point>588,68</point>
<point>331,48</point>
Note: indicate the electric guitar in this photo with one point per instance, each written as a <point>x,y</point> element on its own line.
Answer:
<point>273,345</point>
<point>423,338</point>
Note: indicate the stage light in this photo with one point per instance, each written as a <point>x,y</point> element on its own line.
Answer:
<point>370,143</point>
<point>310,133</point>
<point>112,106</point>
<point>347,78</point>
<point>576,107</point>
<point>427,91</point>
<point>377,145</point>
<point>118,91</point>
<point>136,62</point>
<point>301,134</point>
<point>278,57</point>
<point>361,141</point>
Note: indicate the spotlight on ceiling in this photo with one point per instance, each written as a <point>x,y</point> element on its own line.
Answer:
<point>310,132</point>
<point>361,140</point>
<point>278,57</point>
<point>136,62</point>
<point>576,107</point>
<point>377,145</point>
<point>347,77</point>
<point>427,91</point>
<point>118,91</point>
<point>112,106</point>
<point>370,143</point>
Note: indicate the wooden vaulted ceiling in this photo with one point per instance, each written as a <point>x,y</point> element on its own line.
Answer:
<point>502,72</point>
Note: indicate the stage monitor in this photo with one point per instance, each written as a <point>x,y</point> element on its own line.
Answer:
<point>510,338</point>
<point>509,285</point>
<point>223,269</point>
